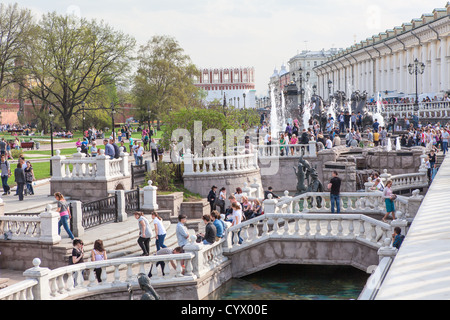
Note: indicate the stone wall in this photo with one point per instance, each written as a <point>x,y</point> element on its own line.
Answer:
<point>171,202</point>
<point>18,255</point>
<point>90,190</point>
<point>396,162</point>
<point>202,183</point>
<point>332,252</point>
<point>195,210</point>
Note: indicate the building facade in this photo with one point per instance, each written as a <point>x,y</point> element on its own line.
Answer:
<point>236,85</point>
<point>380,63</point>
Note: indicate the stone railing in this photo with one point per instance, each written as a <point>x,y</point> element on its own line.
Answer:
<point>307,226</point>
<point>435,109</point>
<point>289,150</point>
<point>350,202</point>
<point>194,165</point>
<point>80,279</point>
<point>42,228</point>
<point>80,167</point>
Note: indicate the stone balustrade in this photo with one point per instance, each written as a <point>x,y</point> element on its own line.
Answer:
<point>80,167</point>
<point>289,150</point>
<point>307,226</point>
<point>434,109</point>
<point>194,165</point>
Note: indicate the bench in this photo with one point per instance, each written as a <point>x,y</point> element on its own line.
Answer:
<point>27,145</point>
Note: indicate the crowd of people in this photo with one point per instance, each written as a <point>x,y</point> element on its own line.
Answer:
<point>121,139</point>
<point>23,176</point>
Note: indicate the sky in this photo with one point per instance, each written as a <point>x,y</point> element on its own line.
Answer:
<point>263,34</point>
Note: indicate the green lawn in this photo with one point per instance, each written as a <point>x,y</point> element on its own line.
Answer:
<point>41,171</point>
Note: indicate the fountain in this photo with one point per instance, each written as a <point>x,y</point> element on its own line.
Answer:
<point>389,145</point>
<point>276,121</point>
<point>398,147</point>
<point>307,110</point>
<point>331,109</point>
<point>378,114</point>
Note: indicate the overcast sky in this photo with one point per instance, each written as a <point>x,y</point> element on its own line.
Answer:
<point>234,33</point>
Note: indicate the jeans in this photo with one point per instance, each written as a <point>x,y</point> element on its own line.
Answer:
<point>64,221</point>
<point>19,190</point>
<point>6,187</point>
<point>160,241</point>
<point>444,147</point>
<point>335,198</point>
<point>30,187</point>
<point>140,160</point>
<point>154,155</point>
<point>144,243</point>
<point>239,237</point>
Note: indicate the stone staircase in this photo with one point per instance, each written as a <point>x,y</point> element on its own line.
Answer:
<point>439,159</point>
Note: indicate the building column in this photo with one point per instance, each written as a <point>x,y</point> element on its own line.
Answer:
<point>433,79</point>
<point>444,65</point>
<point>401,86</point>
<point>394,85</point>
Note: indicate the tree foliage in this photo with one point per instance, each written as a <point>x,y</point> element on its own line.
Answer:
<point>16,25</point>
<point>71,60</point>
<point>164,79</point>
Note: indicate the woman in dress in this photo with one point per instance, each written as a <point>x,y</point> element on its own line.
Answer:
<point>389,198</point>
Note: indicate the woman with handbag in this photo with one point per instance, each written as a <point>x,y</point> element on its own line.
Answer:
<point>29,178</point>
<point>389,198</point>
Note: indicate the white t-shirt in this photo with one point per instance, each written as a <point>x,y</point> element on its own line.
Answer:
<point>237,217</point>
<point>159,224</point>
<point>140,151</point>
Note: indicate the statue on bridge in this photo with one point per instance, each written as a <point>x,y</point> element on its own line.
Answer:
<point>303,173</point>
<point>315,186</point>
<point>149,292</point>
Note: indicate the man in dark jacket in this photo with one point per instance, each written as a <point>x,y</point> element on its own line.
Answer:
<point>212,196</point>
<point>116,149</point>
<point>209,237</point>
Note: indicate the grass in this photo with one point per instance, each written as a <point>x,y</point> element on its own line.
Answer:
<point>41,171</point>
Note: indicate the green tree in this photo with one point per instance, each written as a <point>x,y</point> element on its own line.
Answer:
<point>72,60</point>
<point>164,79</point>
<point>15,32</point>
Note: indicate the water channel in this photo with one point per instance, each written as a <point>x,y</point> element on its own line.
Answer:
<point>295,282</point>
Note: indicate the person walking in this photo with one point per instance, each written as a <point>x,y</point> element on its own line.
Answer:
<point>181,231</point>
<point>160,231</point>
<point>236,219</point>
<point>6,173</point>
<point>98,254</point>
<point>19,178</point>
<point>389,198</point>
<point>154,150</point>
<point>335,187</point>
<point>64,213</point>
<point>145,233</point>
<point>29,178</point>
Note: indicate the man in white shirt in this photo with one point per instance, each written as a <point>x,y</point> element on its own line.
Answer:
<point>140,154</point>
<point>329,144</point>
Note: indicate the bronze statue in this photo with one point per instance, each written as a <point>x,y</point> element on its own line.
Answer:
<point>303,172</point>
<point>315,186</point>
<point>144,283</point>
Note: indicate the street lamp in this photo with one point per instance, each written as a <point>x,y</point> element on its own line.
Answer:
<point>51,116</point>
<point>82,105</point>
<point>330,83</point>
<point>148,113</point>
<point>113,112</point>
<point>416,69</point>
<point>244,95</point>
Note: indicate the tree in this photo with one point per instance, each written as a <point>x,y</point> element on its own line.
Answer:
<point>164,79</point>
<point>15,32</point>
<point>71,60</point>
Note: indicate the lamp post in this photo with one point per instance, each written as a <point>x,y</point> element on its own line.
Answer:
<point>51,116</point>
<point>82,105</point>
<point>244,95</point>
<point>416,69</point>
<point>113,112</point>
<point>330,83</point>
<point>148,114</point>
